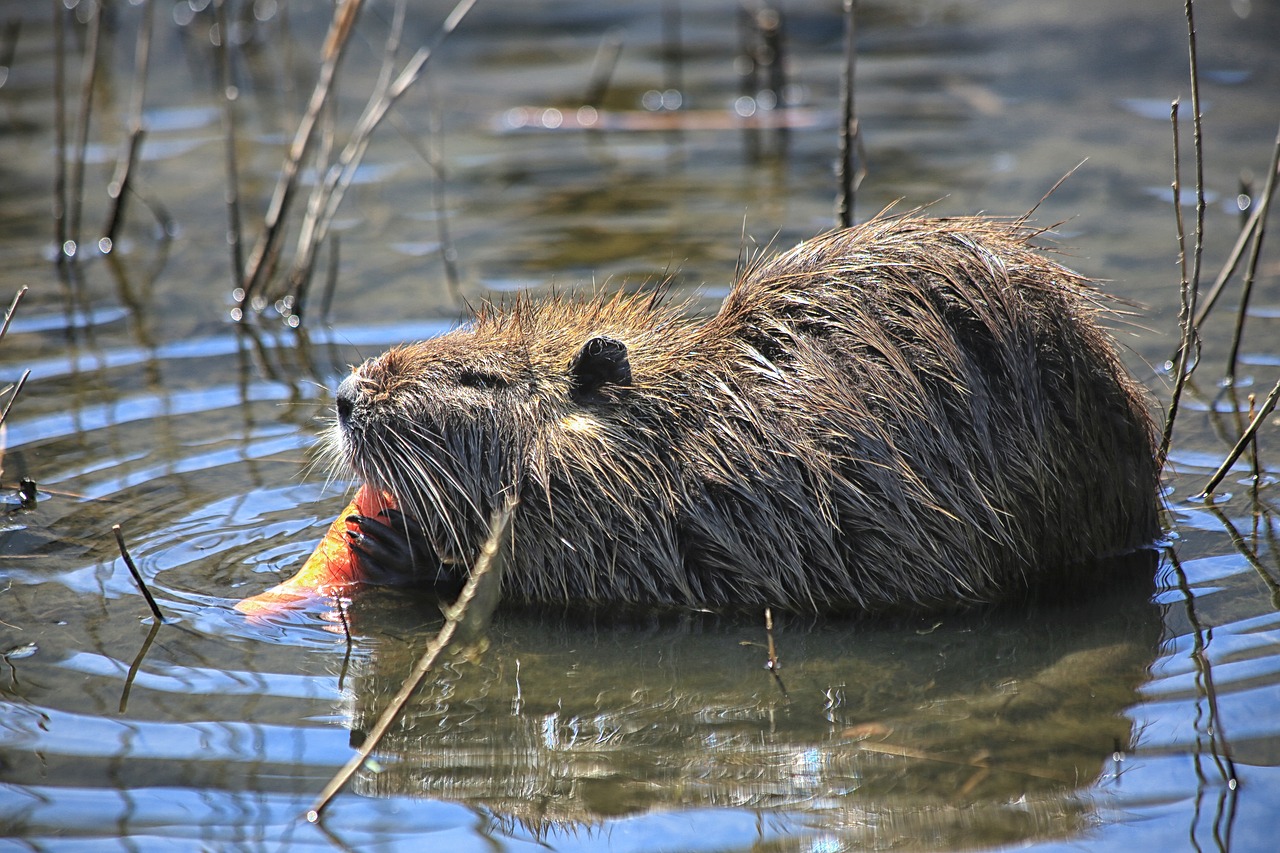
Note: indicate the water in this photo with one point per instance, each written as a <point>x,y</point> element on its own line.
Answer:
<point>1141,719</point>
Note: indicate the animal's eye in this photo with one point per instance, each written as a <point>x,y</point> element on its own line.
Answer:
<point>480,379</point>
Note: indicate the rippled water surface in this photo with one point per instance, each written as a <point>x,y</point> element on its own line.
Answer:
<point>1143,718</point>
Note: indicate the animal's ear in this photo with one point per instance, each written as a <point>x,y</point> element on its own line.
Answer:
<point>601,361</point>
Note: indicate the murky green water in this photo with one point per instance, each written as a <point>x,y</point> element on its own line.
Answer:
<point>1118,723</point>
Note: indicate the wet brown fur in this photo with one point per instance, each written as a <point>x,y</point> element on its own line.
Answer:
<point>913,412</point>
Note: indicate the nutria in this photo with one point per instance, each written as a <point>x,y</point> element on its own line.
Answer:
<point>912,412</point>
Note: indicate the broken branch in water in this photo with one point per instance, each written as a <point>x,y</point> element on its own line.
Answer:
<point>137,576</point>
<point>1255,251</point>
<point>467,618</point>
<point>1264,410</point>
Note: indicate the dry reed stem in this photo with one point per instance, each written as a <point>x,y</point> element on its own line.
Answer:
<point>60,131</point>
<point>13,306</point>
<point>230,94</point>
<point>9,45</point>
<point>309,241</point>
<point>1198,144</point>
<point>1189,337</point>
<point>849,131</point>
<point>1265,409</point>
<point>467,617</point>
<point>1229,267</point>
<point>672,48</point>
<point>266,250</point>
<point>1191,280</point>
<point>137,576</point>
<point>331,278</point>
<point>434,159</point>
<point>328,195</point>
<point>88,80</point>
<point>773,664</point>
<point>17,389</point>
<point>603,65</point>
<point>118,189</point>
<point>448,252</point>
<point>22,380</point>
<point>1251,268</point>
<point>1254,463</point>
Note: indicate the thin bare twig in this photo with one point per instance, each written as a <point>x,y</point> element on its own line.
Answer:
<point>1265,409</point>
<point>448,251</point>
<point>230,94</point>
<point>604,63</point>
<point>118,189</point>
<point>849,131</point>
<point>1189,335</point>
<point>468,615</point>
<point>4,329</point>
<point>17,389</point>
<point>1191,279</point>
<point>265,252</point>
<point>350,643</point>
<point>9,45</point>
<point>137,576</point>
<point>13,306</point>
<point>1198,142</point>
<point>1254,464</point>
<point>60,130</point>
<point>773,664</point>
<point>432,156</point>
<point>672,49</point>
<point>1255,251</point>
<point>1229,268</point>
<point>328,196</point>
<point>330,279</point>
<point>88,80</point>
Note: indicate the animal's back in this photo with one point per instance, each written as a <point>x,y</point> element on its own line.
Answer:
<point>944,392</point>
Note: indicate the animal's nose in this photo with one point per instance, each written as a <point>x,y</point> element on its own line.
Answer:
<point>348,392</point>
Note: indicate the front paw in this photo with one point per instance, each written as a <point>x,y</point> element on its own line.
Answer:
<point>392,549</point>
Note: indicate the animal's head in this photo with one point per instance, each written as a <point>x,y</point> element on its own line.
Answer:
<point>449,424</point>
